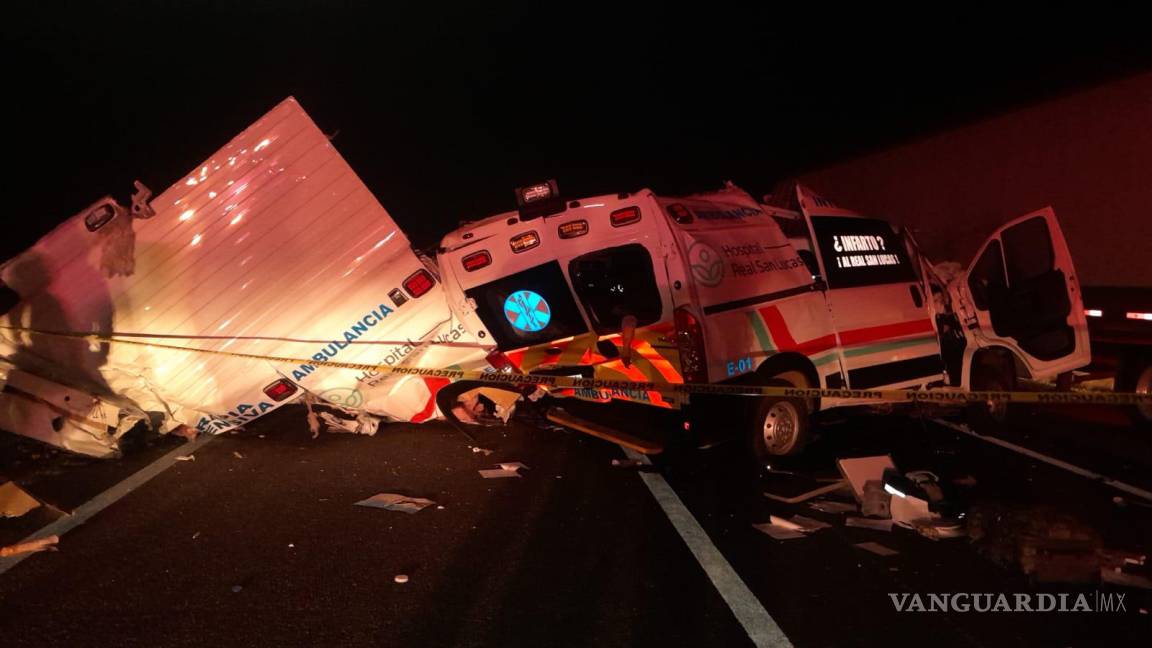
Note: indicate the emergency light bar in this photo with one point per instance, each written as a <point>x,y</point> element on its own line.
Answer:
<point>536,193</point>
<point>572,229</point>
<point>477,260</point>
<point>1093,312</point>
<point>540,199</point>
<point>523,242</point>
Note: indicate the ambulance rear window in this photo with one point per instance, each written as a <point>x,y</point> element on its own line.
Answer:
<point>616,282</point>
<point>530,307</point>
<point>860,252</point>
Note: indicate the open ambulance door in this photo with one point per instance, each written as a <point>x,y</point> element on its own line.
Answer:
<point>1021,293</point>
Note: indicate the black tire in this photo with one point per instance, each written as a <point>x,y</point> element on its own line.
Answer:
<point>1135,375</point>
<point>992,375</point>
<point>779,427</point>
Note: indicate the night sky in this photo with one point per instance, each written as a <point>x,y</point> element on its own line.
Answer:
<point>443,111</point>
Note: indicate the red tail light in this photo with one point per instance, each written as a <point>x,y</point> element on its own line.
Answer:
<point>625,216</point>
<point>280,390</point>
<point>499,361</point>
<point>419,283</point>
<point>690,341</point>
<point>477,260</point>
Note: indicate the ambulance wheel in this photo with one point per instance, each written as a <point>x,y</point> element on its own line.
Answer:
<point>993,373</point>
<point>1136,376</point>
<point>780,427</point>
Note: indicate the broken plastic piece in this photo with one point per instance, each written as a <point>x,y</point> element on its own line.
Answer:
<point>401,578</point>
<point>778,532</point>
<point>396,502</point>
<point>32,546</point>
<point>186,458</point>
<point>479,450</point>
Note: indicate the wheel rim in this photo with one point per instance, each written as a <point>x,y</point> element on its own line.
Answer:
<point>780,426</point>
<point>1144,386</point>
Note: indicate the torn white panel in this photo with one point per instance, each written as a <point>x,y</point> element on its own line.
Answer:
<point>272,246</point>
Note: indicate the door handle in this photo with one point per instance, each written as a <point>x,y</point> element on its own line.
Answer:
<point>917,298</point>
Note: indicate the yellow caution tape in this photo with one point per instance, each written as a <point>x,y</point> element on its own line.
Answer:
<point>940,397</point>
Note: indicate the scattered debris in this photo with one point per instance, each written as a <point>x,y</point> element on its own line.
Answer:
<point>32,546</point>
<point>861,470</point>
<point>876,548</point>
<point>195,535</point>
<point>237,588</point>
<point>831,506</point>
<point>1044,543</point>
<point>395,502</point>
<point>14,501</point>
<point>236,453</point>
<point>498,473</point>
<point>513,466</point>
<point>939,529</point>
<point>401,578</point>
<point>479,450</point>
<point>778,532</point>
<point>364,423</point>
<point>868,523</point>
<point>787,529</point>
<point>875,501</point>
<point>627,463</point>
<point>804,497</point>
<point>186,458</point>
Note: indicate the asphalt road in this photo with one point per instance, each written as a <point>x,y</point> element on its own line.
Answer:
<point>257,542</point>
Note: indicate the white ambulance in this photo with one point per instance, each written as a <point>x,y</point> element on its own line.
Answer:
<point>270,247</point>
<point>720,287</point>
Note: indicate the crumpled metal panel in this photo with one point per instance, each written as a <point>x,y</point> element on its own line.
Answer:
<point>272,237</point>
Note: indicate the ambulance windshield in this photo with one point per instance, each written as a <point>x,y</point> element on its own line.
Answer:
<point>614,283</point>
<point>529,307</point>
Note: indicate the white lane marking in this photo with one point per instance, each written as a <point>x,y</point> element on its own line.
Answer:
<point>758,624</point>
<point>1053,461</point>
<point>102,501</point>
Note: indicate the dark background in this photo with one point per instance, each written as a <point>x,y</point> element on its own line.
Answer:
<point>442,111</point>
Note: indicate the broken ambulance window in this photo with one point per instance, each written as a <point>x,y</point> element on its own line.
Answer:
<point>529,307</point>
<point>860,252</point>
<point>616,282</point>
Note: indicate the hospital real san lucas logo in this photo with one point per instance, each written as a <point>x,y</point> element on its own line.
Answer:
<point>527,311</point>
<point>706,264</point>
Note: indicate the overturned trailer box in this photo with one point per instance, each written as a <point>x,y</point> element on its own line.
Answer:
<point>167,311</point>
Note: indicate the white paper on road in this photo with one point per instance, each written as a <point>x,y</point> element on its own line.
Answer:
<point>498,473</point>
